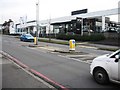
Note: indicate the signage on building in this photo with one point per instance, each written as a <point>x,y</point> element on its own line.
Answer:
<point>79,12</point>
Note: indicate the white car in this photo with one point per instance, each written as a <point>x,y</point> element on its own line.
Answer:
<point>106,68</point>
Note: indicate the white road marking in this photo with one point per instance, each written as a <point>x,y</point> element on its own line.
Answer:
<point>50,48</point>
<point>37,49</point>
<point>87,47</point>
<point>74,59</point>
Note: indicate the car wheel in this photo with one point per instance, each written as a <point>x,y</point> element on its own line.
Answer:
<point>24,39</point>
<point>20,39</point>
<point>101,76</point>
<point>31,40</point>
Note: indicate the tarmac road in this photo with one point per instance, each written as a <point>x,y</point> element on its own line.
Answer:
<point>14,76</point>
<point>65,71</point>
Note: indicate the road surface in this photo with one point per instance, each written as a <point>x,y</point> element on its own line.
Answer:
<point>14,76</point>
<point>65,71</point>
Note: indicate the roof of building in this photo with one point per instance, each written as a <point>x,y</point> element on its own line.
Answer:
<point>73,17</point>
<point>85,15</point>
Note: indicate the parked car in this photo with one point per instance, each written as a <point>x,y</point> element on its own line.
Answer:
<point>27,37</point>
<point>106,68</point>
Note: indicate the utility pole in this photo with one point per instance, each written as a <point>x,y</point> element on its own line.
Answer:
<point>82,27</point>
<point>49,29</point>
<point>37,21</point>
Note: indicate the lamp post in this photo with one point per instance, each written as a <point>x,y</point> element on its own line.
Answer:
<point>82,27</point>
<point>37,21</point>
<point>49,30</point>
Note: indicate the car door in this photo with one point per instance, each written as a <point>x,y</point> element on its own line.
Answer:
<point>119,69</point>
<point>114,67</point>
<point>23,37</point>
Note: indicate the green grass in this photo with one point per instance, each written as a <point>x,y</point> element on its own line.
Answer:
<point>55,42</point>
<point>52,41</point>
<point>67,43</point>
<point>108,49</point>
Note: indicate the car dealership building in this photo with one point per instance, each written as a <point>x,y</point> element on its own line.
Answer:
<point>79,22</point>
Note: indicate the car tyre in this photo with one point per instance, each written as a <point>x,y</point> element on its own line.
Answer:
<point>20,39</point>
<point>101,76</point>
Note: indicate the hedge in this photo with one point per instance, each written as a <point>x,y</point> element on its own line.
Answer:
<point>92,37</point>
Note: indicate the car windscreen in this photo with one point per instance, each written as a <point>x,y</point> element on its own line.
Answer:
<point>29,36</point>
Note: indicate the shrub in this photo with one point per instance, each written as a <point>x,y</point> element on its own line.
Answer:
<point>92,37</point>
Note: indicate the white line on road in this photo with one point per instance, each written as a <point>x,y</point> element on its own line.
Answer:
<point>78,60</point>
<point>37,49</point>
<point>88,47</point>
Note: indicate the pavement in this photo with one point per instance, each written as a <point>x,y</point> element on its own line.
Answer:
<point>14,76</point>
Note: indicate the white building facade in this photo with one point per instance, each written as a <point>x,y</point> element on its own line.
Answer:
<point>97,21</point>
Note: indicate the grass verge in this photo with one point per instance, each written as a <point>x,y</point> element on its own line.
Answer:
<point>67,43</point>
<point>52,41</point>
<point>108,49</point>
<point>55,42</point>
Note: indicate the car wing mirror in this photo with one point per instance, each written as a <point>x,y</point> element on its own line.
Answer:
<point>117,57</point>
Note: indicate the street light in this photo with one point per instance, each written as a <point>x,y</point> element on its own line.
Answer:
<point>37,21</point>
<point>82,27</point>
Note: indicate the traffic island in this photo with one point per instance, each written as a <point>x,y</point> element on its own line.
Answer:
<point>78,56</point>
<point>34,45</point>
<point>70,52</point>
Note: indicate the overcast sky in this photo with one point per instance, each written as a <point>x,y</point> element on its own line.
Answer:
<point>14,9</point>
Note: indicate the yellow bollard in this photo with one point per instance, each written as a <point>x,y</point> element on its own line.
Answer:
<point>35,40</point>
<point>72,45</point>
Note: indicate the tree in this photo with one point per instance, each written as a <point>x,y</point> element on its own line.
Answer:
<point>6,26</point>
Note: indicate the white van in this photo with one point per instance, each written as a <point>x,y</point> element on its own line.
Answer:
<point>106,68</point>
